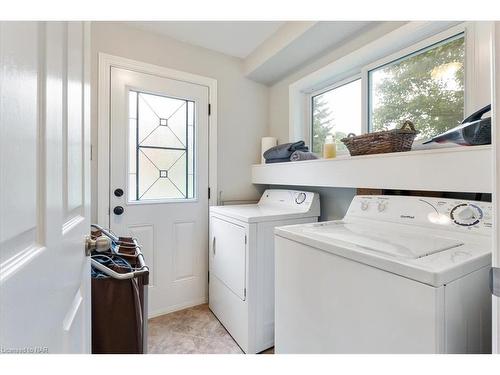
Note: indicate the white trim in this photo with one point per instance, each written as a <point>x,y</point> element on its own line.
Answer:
<point>352,63</point>
<point>336,85</point>
<point>478,65</point>
<point>495,106</point>
<point>107,61</point>
<point>416,47</point>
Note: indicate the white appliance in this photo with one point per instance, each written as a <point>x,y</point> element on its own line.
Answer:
<point>241,262</point>
<point>396,275</point>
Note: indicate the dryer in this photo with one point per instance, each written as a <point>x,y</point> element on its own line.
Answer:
<point>396,275</point>
<point>241,262</point>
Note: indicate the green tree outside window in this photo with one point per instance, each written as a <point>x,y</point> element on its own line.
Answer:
<point>427,88</point>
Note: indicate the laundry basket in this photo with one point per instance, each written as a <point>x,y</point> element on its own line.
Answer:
<point>120,280</point>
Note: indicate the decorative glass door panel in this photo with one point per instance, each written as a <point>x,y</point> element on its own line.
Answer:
<point>161,147</point>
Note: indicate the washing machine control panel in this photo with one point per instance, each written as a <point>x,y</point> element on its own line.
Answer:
<point>303,201</point>
<point>300,197</point>
<point>466,214</point>
<point>456,214</point>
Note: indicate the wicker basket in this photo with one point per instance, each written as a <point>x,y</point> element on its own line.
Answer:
<point>396,140</point>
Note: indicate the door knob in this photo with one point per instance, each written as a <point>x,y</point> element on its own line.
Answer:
<point>118,210</point>
<point>118,192</point>
<point>100,244</point>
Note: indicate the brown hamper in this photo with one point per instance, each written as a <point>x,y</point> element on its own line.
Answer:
<point>119,311</point>
<point>396,140</point>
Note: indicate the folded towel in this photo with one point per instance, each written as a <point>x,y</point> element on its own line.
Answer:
<point>281,160</point>
<point>285,150</point>
<point>302,155</point>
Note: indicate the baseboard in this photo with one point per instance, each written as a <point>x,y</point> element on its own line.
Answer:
<point>171,309</point>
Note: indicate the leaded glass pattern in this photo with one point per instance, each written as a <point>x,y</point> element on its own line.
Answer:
<point>161,147</point>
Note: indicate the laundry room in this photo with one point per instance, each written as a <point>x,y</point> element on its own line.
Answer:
<point>249,185</point>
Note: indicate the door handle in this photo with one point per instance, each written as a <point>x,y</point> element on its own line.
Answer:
<point>213,245</point>
<point>118,210</point>
<point>100,244</point>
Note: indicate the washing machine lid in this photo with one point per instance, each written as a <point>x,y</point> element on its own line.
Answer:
<point>274,204</point>
<point>252,213</point>
<point>433,257</point>
<point>389,240</point>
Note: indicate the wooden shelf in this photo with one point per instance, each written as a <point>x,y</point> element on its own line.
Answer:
<point>458,169</point>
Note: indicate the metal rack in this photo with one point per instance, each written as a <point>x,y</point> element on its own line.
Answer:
<point>142,271</point>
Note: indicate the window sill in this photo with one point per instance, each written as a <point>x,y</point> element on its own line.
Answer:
<point>456,169</point>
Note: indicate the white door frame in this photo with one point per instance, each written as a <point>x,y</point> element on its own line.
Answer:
<point>495,110</point>
<point>106,62</point>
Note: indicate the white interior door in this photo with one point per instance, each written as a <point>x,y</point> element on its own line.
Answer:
<point>159,181</point>
<point>44,190</point>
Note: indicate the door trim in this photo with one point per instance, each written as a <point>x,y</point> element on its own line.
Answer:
<point>495,110</point>
<point>106,62</point>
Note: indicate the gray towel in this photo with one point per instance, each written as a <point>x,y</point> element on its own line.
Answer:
<point>284,151</point>
<point>302,155</point>
<point>282,160</point>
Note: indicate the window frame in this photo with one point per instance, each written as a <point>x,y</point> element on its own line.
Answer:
<point>343,70</point>
<point>407,52</point>
<point>336,85</point>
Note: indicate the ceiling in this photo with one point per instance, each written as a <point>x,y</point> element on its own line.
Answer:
<point>233,38</point>
<point>269,50</point>
<point>307,44</point>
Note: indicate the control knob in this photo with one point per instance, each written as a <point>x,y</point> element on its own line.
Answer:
<point>466,214</point>
<point>300,198</point>
<point>381,206</point>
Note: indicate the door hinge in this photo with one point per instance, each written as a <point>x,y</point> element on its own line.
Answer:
<point>245,293</point>
<point>208,193</point>
<point>495,281</point>
<point>209,109</point>
<point>208,276</point>
<point>91,152</point>
<point>245,239</point>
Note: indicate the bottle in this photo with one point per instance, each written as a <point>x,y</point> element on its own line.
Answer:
<point>329,148</point>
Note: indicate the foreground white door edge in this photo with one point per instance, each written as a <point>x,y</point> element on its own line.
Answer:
<point>45,187</point>
<point>495,79</point>
<point>159,181</point>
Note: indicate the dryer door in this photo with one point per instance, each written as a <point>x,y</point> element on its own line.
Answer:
<point>228,255</point>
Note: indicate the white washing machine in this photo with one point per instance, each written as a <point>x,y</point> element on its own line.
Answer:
<point>396,275</point>
<point>241,262</point>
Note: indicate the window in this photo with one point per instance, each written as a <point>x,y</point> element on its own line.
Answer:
<point>161,145</point>
<point>426,87</point>
<point>433,78</point>
<point>336,112</point>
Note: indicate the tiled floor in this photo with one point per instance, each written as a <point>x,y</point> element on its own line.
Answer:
<point>194,330</point>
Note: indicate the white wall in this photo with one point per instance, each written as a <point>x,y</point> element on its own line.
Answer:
<point>242,103</point>
<point>334,201</point>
